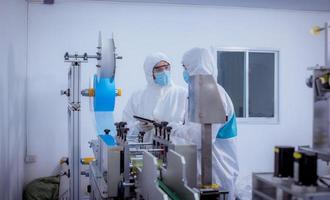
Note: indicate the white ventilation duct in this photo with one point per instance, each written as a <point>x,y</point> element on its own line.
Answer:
<point>41,1</point>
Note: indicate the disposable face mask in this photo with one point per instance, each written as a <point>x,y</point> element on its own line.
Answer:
<point>186,76</point>
<point>162,78</point>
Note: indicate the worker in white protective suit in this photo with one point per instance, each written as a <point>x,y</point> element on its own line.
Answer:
<point>160,100</point>
<point>225,168</point>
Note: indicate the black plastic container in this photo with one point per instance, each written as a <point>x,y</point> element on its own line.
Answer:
<point>305,169</point>
<point>283,162</point>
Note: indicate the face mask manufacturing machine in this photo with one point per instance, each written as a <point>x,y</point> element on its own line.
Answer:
<point>295,174</point>
<point>130,168</point>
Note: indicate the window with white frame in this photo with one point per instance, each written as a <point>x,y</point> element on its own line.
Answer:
<point>250,77</point>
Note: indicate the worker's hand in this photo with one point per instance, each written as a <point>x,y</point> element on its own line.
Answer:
<point>145,126</point>
<point>176,127</point>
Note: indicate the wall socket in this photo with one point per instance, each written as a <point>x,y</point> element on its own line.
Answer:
<point>30,158</point>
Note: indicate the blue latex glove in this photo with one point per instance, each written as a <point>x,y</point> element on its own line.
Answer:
<point>229,129</point>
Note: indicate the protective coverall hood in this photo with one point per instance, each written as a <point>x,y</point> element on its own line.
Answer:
<point>199,61</point>
<point>149,64</point>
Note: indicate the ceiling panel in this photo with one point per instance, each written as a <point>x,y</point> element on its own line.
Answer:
<point>306,5</point>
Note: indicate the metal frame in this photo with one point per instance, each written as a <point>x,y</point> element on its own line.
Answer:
<point>327,44</point>
<point>148,179</point>
<point>267,187</point>
<point>175,176</point>
<point>206,155</point>
<point>246,51</point>
<point>74,76</point>
<point>73,95</point>
<point>189,152</point>
<point>322,154</point>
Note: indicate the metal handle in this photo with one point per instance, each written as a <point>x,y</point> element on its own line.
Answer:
<point>65,92</point>
<point>309,82</point>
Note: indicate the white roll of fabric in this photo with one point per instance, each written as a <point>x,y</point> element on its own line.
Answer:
<point>102,104</point>
<point>107,64</point>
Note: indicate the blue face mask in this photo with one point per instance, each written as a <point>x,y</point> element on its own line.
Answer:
<point>163,78</point>
<point>186,76</point>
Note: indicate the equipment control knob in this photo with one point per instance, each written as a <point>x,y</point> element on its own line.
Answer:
<point>107,131</point>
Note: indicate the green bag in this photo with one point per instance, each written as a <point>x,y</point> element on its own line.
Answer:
<point>46,188</point>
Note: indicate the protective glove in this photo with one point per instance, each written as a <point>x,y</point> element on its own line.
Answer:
<point>178,133</point>
<point>177,128</point>
<point>190,132</point>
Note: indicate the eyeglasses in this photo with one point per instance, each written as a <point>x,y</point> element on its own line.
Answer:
<point>161,68</point>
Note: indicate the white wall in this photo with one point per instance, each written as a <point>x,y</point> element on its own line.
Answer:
<point>144,28</point>
<point>13,39</point>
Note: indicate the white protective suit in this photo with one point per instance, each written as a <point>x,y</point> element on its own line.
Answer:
<point>160,103</point>
<point>224,159</point>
